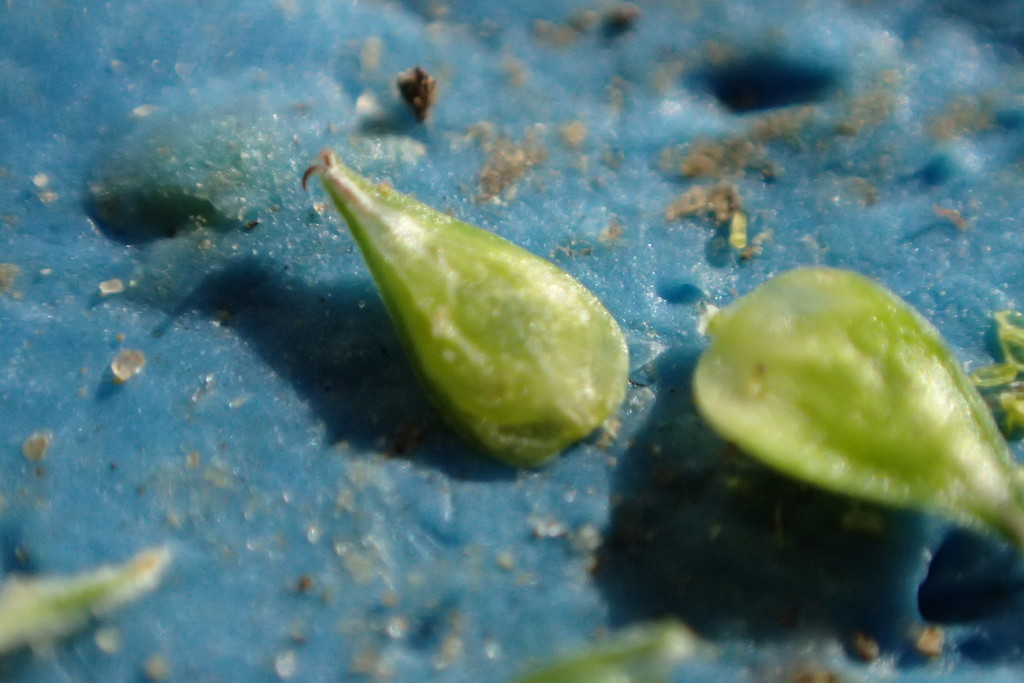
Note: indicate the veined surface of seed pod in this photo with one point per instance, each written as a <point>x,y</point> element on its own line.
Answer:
<point>829,377</point>
<point>518,356</point>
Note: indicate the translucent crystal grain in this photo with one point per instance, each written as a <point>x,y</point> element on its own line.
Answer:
<point>126,364</point>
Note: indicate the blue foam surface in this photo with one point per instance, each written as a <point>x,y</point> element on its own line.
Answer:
<point>321,515</point>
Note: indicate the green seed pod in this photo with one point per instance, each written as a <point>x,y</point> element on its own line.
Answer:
<point>991,376</point>
<point>36,610</point>
<point>1010,330</point>
<point>640,654</point>
<point>828,377</point>
<point>516,354</point>
<point>1012,403</point>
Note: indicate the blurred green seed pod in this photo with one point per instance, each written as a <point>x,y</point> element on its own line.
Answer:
<point>1010,331</point>
<point>517,355</point>
<point>1012,403</point>
<point>639,654</point>
<point>829,377</point>
<point>991,376</point>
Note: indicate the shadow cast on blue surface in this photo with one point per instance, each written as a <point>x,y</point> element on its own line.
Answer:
<point>974,580</point>
<point>701,532</point>
<point>337,348</point>
<point>138,217</point>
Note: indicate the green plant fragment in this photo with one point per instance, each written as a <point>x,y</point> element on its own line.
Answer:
<point>37,611</point>
<point>1012,403</point>
<point>640,654</point>
<point>829,377</point>
<point>997,375</point>
<point>518,356</point>
<point>1010,331</point>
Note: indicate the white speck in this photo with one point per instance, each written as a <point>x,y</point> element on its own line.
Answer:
<point>705,317</point>
<point>397,627</point>
<point>547,527</point>
<point>285,664</point>
<point>367,104</point>
<point>108,640</point>
<point>143,110</point>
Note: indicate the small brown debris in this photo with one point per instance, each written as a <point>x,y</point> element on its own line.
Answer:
<point>304,584</point>
<point>34,448</point>
<point>865,646</point>
<point>583,20</point>
<point>756,245</point>
<point>418,90</point>
<point>507,163</point>
<point>813,674</point>
<point>408,438</point>
<point>574,134</point>
<point>8,274</point>
<point>506,560</point>
<point>155,668</point>
<point>515,72</point>
<point>620,18</point>
<point>952,215</point>
<point>930,640</point>
<point>963,116</point>
<point>869,110</point>
<point>722,201</point>
<point>611,232</point>
<point>739,152</point>
<point>126,364</point>
<point>555,34</point>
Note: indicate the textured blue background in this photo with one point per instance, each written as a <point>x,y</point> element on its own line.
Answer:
<point>164,127</point>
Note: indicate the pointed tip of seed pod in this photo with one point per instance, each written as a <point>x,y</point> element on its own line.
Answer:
<point>315,168</point>
<point>328,160</point>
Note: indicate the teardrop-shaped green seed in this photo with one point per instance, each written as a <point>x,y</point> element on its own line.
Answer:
<point>640,654</point>
<point>519,357</point>
<point>829,377</point>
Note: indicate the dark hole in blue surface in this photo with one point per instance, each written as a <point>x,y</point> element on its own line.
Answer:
<point>676,292</point>
<point>135,217</point>
<point>971,577</point>
<point>938,170</point>
<point>764,82</point>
